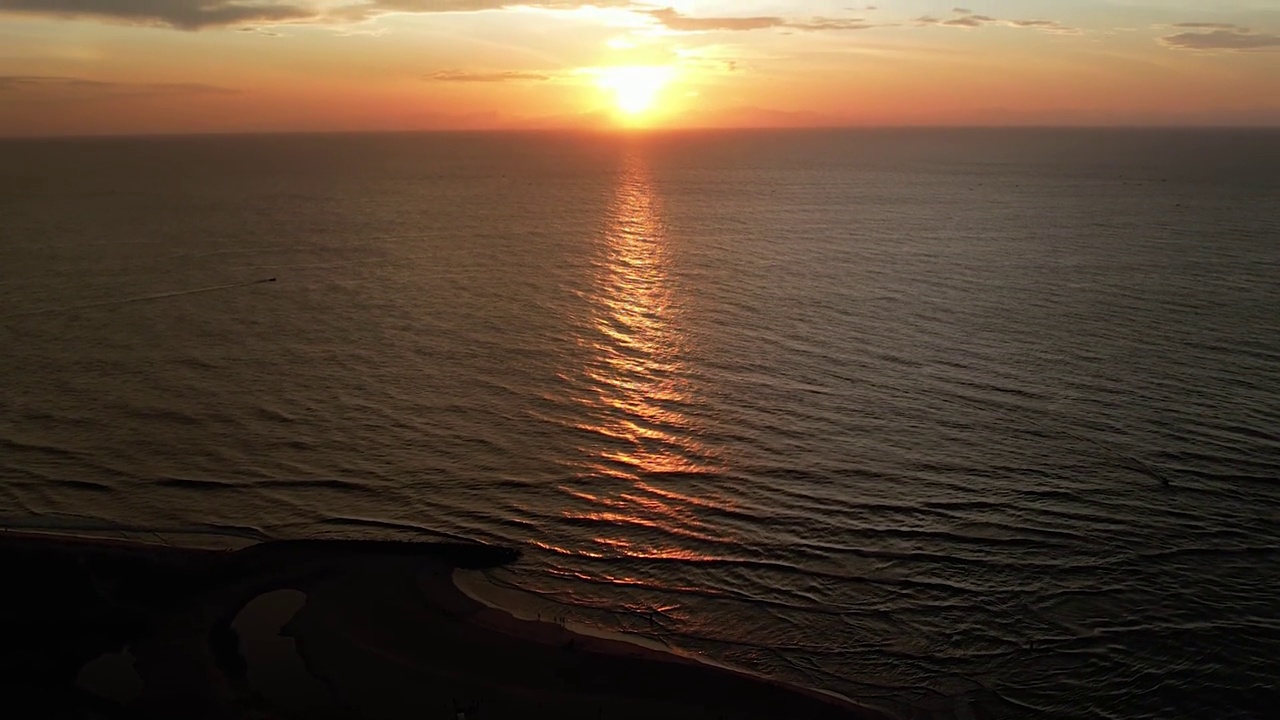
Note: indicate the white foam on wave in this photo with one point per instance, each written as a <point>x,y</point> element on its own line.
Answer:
<point>529,606</point>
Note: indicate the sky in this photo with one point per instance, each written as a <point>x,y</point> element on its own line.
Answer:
<point>87,67</point>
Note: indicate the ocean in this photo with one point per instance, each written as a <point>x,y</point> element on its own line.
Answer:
<point>955,422</point>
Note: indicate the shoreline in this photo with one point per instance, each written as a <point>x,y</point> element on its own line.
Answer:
<point>383,627</point>
<point>475,585</point>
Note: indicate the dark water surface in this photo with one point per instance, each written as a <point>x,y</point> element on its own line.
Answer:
<point>887,413</point>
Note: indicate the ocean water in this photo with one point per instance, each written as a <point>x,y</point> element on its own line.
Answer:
<point>956,422</point>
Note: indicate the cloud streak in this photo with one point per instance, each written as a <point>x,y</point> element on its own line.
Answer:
<point>74,88</point>
<point>179,14</point>
<point>206,14</point>
<point>194,15</point>
<point>966,19</point>
<point>505,76</point>
<point>672,19</point>
<point>1210,37</point>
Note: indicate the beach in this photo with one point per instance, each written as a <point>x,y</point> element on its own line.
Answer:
<point>335,629</point>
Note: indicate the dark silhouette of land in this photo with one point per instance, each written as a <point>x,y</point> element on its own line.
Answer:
<point>327,629</point>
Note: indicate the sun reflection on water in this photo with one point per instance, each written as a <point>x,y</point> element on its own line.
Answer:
<point>636,395</point>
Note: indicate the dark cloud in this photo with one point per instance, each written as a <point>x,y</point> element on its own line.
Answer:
<point>62,87</point>
<point>486,77</point>
<point>181,14</point>
<point>672,19</point>
<point>436,6</point>
<point>1220,36</point>
<point>201,14</point>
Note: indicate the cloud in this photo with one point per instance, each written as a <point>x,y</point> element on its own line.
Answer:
<point>254,14</point>
<point>970,21</point>
<point>1052,26</point>
<point>672,19</point>
<point>74,88</point>
<point>1206,25</point>
<point>1220,36</point>
<point>439,6</point>
<point>966,19</point>
<point>819,24</point>
<point>202,14</point>
<point>486,77</point>
<point>180,14</point>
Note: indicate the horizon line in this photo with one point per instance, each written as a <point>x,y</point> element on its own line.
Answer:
<point>636,132</point>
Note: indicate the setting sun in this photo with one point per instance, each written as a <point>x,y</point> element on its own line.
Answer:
<point>636,89</point>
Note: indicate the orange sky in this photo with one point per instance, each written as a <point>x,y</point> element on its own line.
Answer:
<point>146,66</point>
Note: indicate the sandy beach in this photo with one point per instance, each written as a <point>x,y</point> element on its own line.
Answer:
<point>330,629</point>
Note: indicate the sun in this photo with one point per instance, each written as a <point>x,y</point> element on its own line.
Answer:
<point>636,89</point>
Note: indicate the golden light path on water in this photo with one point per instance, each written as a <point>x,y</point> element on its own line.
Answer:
<point>636,392</point>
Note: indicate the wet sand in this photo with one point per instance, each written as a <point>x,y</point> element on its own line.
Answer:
<point>382,631</point>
